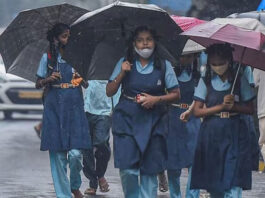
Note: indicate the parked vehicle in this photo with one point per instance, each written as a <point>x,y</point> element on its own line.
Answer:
<point>17,94</point>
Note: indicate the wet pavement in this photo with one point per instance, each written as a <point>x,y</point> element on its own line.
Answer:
<point>25,171</point>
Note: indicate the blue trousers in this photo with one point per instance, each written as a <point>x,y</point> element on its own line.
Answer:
<point>136,185</point>
<point>234,192</point>
<point>96,160</point>
<point>58,162</point>
<point>174,185</point>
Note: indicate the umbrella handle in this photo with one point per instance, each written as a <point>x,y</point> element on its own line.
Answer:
<point>234,83</point>
<point>237,72</point>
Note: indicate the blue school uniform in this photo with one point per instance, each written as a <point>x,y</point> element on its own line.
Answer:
<point>222,149</point>
<point>64,122</point>
<point>139,133</point>
<point>182,136</point>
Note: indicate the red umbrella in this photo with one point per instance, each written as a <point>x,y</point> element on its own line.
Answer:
<point>185,23</point>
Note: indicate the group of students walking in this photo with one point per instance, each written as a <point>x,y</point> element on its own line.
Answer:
<point>165,119</point>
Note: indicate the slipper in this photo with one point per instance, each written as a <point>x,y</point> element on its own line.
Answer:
<point>103,185</point>
<point>90,191</point>
<point>163,185</point>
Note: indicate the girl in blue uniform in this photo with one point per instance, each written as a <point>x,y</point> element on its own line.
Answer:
<point>220,152</point>
<point>65,130</point>
<point>140,124</point>
<point>183,128</point>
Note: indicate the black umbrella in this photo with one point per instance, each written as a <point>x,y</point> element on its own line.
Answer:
<point>259,15</point>
<point>24,40</point>
<point>110,26</point>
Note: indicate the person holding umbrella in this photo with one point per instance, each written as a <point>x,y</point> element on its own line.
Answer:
<point>65,130</point>
<point>219,157</point>
<point>140,118</point>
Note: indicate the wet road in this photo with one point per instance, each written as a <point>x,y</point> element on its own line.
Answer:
<point>25,171</point>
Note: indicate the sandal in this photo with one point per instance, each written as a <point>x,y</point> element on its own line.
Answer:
<point>77,194</point>
<point>90,191</point>
<point>103,185</point>
<point>163,185</point>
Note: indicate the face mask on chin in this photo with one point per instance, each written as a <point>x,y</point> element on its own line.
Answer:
<point>220,69</point>
<point>144,53</point>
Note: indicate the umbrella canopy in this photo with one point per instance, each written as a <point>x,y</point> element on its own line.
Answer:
<point>185,23</point>
<point>192,47</point>
<point>24,40</point>
<point>259,15</point>
<point>112,25</point>
<point>246,23</point>
<point>248,43</point>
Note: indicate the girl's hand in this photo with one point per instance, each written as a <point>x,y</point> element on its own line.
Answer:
<point>148,101</point>
<point>229,101</point>
<point>54,77</point>
<point>126,67</point>
<point>184,117</point>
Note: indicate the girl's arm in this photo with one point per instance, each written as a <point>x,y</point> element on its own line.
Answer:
<point>246,108</point>
<point>113,86</point>
<point>149,101</point>
<point>42,82</point>
<point>185,115</point>
<point>200,111</point>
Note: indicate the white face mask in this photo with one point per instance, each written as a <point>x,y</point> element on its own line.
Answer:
<point>144,53</point>
<point>220,69</point>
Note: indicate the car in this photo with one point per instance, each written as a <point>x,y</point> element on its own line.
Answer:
<point>18,94</point>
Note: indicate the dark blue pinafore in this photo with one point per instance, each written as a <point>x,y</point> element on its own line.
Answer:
<point>182,137</point>
<point>140,134</point>
<point>222,157</point>
<point>64,122</point>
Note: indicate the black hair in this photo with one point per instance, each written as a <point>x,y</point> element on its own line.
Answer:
<point>225,51</point>
<point>195,72</point>
<point>131,54</point>
<point>55,32</point>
